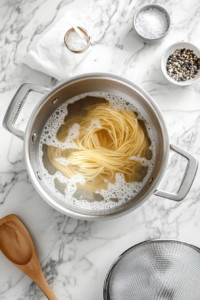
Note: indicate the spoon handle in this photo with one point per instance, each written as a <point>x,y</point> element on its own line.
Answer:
<point>44,286</point>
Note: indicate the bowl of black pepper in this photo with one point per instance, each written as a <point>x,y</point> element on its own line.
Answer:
<point>180,63</point>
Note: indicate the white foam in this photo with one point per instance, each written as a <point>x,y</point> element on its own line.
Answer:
<point>63,161</point>
<point>72,134</point>
<point>144,162</point>
<point>120,190</point>
<point>94,124</point>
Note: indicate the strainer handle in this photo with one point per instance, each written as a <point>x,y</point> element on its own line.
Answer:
<point>188,177</point>
<point>16,105</point>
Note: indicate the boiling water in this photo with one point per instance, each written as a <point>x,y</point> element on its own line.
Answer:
<point>71,190</point>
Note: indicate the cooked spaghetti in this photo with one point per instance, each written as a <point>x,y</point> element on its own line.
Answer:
<point>109,142</point>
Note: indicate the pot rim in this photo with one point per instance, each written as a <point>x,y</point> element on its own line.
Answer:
<point>33,175</point>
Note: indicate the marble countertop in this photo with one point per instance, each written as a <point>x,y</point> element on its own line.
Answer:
<point>76,255</point>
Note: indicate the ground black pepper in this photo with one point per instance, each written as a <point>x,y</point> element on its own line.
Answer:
<point>183,65</point>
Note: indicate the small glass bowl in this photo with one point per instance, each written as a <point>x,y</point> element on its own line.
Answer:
<point>84,31</point>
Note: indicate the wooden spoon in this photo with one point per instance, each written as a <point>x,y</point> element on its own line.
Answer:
<point>17,245</point>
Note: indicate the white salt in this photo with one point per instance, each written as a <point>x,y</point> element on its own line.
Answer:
<point>75,41</point>
<point>151,23</point>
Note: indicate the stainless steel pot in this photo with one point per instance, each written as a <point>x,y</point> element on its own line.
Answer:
<point>91,83</point>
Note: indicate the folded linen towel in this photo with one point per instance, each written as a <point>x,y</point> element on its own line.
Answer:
<point>50,55</point>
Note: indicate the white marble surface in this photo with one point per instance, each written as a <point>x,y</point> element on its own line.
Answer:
<point>75,255</point>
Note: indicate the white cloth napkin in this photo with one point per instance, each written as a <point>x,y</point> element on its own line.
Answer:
<point>50,55</point>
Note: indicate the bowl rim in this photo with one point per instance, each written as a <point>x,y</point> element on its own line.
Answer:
<point>179,83</point>
<point>160,7</point>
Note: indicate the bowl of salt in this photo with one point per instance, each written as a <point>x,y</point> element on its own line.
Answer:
<point>151,22</point>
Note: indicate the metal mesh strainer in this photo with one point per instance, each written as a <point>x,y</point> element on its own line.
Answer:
<point>155,270</point>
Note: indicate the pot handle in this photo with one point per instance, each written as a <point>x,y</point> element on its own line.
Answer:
<point>188,177</point>
<point>16,105</point>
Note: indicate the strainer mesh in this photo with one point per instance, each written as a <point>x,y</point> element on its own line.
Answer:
<point>154,271</point>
